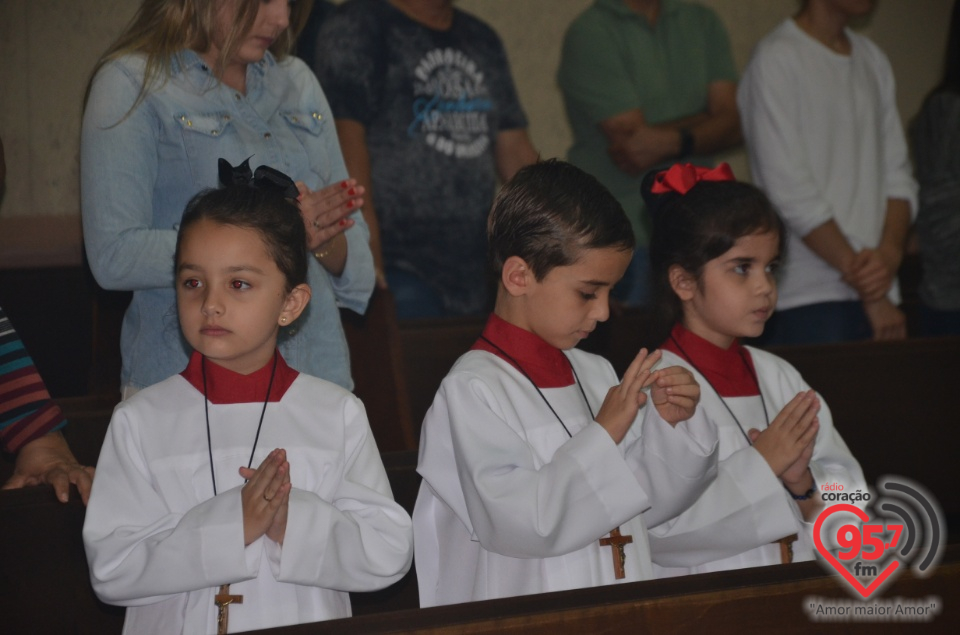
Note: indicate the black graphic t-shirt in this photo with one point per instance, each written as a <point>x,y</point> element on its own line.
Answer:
<point>432,103</point>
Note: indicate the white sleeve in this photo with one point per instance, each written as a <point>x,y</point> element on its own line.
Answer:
<point>139,550</point>
<point>360,541</point>
<point>485,471</point>
<point>898,174</point>
<point>673,464</point>
<point>768,97</point>
<point>744,508</point>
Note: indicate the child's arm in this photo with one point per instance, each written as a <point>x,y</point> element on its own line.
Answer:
<point>790,434</point>
<point>144,545</point>
<point>675,394</point>
<point>352,536</point>
<point>624,400</point>
<point>265,497</point>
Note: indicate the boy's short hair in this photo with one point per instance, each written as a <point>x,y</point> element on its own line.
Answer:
<point>548,212</point>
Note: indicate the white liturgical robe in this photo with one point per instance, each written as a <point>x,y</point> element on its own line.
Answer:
<point>746,508</point>
<point>160,543</point>
<point>511,504</point>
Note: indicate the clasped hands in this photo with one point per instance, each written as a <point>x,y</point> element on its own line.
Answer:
<point>674,392</point>
<point>326,212</point>
<point>871,274</point>
<point>265,498</point>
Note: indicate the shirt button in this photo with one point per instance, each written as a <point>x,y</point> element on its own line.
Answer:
<point>317,116</point>
<point>237,96</point>
<point>267,135</point>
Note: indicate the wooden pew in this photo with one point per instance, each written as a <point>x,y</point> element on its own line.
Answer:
<point>44,588</point>
<point>44,579</point>
<point>761,600</point>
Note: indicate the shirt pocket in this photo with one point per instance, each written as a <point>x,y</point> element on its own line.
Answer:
<point>207,136</point>
<point>310,127</point>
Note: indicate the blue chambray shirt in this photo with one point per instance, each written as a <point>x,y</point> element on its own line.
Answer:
<point>139,169</point>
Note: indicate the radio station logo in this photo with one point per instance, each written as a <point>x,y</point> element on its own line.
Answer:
<point>904,528</point>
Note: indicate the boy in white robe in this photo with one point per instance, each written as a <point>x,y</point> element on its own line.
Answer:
<point>529,458</point>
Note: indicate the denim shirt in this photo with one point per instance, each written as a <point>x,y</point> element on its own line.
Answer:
<point>139,168</point>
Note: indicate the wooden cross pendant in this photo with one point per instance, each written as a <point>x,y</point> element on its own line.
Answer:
<point>616,542</point>
<point>786,548</point>
<point>223,600</point>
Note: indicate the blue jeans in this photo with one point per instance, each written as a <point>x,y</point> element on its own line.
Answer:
<point>635,288</point>
<point>413,297</point>
<point>937,323</point>
<point>821,323</point>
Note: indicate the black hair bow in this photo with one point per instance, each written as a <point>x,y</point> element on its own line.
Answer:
<point>265,178</point>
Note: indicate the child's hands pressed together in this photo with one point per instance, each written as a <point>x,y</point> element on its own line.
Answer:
<point>265,498</point>
<point>790,436</point>
<point>797,477</point>
<point>675,394</point>
<point>624,400</point>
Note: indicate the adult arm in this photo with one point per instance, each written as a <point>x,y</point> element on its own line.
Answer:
<point>30,422</point>
<point>636,146</point>
<point>513,151</point>
<point>356,155</point>
<point>118,169</point>
<point>48,460</point>
<point>347,257</point>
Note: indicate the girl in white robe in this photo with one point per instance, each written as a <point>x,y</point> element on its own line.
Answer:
<point>241,494</point>
<point>532,464</point>
<point>715,249</point>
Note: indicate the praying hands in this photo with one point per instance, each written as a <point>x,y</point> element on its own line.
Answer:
<point>266,498</point>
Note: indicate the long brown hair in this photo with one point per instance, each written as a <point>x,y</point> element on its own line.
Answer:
<point>163,28</point>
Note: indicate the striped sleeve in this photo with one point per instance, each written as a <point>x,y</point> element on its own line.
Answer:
<point>26,410</point>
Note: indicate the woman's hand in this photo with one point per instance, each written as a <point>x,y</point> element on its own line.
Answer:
<point>325,212</point>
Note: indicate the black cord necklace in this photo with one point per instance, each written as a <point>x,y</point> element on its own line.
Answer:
<point>206,414</point>
<point>756,380</point>
<point>517,365</point>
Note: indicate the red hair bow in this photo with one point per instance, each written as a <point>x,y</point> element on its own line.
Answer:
<point>680,177</point>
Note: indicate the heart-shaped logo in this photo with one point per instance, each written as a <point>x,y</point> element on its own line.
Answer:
<point>858,586</point>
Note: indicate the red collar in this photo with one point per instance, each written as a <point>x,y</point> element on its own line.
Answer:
<point>730,371</point>
<point>225,386</point>
<point>546,365</point>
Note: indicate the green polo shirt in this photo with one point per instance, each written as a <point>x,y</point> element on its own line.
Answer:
<point>613,60</point>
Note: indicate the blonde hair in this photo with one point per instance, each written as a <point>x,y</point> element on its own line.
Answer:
<point>162,29</point>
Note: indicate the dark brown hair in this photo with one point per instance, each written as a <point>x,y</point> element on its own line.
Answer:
<point>550,211</point>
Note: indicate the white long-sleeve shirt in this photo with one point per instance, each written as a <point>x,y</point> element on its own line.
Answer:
<point>825,142</point>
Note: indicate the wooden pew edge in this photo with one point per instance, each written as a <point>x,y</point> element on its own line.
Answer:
<point>805,574</point>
